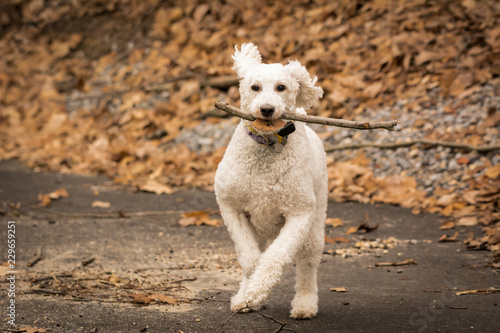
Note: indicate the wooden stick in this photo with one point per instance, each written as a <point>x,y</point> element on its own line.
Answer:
<point>389,125</point>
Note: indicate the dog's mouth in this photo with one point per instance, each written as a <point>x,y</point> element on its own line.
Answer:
<point>278,126</point>
<point>271,134</point>
<point>268,125</point>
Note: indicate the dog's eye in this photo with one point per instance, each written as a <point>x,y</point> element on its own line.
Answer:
<point>281,88</point>
<point>255,88</point>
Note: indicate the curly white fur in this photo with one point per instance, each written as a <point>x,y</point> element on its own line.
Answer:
<point>266,196</point>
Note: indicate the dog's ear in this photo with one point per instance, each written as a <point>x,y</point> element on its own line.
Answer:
<point>308,93</point>
<point>248,56</point>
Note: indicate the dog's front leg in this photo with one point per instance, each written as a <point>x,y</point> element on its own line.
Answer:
<point>247,248</point>
<point>281,252</point>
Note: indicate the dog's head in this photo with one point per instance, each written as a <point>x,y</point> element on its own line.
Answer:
<point>268,90</point>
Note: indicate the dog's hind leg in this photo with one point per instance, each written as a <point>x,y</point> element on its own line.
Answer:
<point>305,302</point>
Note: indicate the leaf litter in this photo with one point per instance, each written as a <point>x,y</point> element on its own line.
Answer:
<point>198,218</point>
<point>129,103</point>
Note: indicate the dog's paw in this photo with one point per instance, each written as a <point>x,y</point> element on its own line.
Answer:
<point>238,303</point>
<point>304,307</point>
<point>298,313</point>
<point>255,299</point>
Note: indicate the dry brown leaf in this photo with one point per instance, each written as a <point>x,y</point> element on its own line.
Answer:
<point>494,235</point>
<point>198,218</point>
<point>165,299</point>
<point>339,289</point>
<point>45,199</point>
<point>467,221</point>
<point>29,329</point>
<point>351,230</point>
<point>154,186</point>
<point>335,222</point>
<point>114,278</point>
<point>61,49</point>
<point>467,292</point>
<point>491,290</point>
<point>471,196</point>
<point>447,199</point>
<point>467,210</point>
<point>426,56</point>
<point>493,172</point>
<point>141,299</point>
<point>447,225</point>
<point>362,227</point>
<point>59,193</point>
<point>447,239</point>
<point>398,263</point>
<point>4,268</point>
<point>335,240</point>
<point>101,204</point>
<point>400,190</point>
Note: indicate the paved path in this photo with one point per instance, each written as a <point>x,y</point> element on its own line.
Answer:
<point>90,265</point>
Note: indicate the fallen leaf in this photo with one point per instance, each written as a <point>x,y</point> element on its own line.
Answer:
<point>101,204</point>
<point>114,278</point>
<point>467,292</point>
<point>339,290</point>
<point>467,210</point>
<point>45,199</point>
<point>154,186</point>
<point>467,221</point>
<point>198,218</point>
<point>398,263</point>
<point>493,172</point>
<point>335,240</point>
<point>351,230</point>
<point>447,239</point>
<point>141,299</point>
<point>471,197</point>
<point>335,222</point>
<point>362,227</point>
<point>27,329</point>
<point>494,236</point>
<point>425,56</point>
<point>4,268</point>
<point>447,225</point>
<point>59,193</point>
<point>165,299</point>
<point>478,291</point>
<point>122,214</point>
<point>474,244</point>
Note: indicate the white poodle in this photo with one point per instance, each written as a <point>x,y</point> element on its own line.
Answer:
<point>273,188</point>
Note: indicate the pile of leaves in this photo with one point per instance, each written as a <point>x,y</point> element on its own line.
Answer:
<point>105,87</point>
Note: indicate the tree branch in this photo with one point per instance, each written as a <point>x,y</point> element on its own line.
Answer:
<point>118,214</point>
<point>481,149</point>
<point>312,119</point>
<point>262,315</point>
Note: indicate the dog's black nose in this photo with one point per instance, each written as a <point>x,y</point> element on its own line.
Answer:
<point>267,110</point>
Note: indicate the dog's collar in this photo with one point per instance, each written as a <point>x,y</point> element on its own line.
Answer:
<point>273,140</point>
